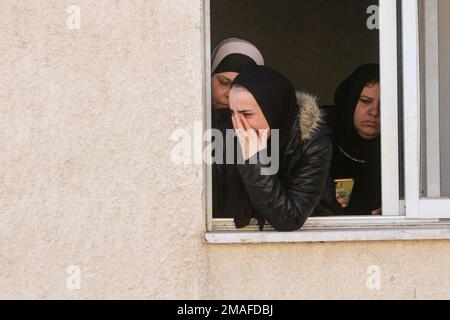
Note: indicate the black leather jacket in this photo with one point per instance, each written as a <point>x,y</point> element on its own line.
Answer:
<point>286,200</point>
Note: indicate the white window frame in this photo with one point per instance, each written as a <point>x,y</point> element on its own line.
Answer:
<point>430,73</point>
<point>416,205</point>
<point>394,224</point>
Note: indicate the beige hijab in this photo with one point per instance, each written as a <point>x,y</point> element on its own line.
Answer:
<point>235,46</point>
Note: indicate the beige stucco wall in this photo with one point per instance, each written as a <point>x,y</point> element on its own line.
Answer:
<point>86,177</point>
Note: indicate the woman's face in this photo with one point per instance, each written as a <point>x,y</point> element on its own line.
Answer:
<point>367,113</point>
<point>243,104</point>
<point>220,86</point>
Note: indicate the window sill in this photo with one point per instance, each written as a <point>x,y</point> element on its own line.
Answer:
<point>406,233</point>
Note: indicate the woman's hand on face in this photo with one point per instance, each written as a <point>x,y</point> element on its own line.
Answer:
<point>250,140</point>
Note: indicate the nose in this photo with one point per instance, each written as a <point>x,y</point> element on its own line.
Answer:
<point>374,110</point>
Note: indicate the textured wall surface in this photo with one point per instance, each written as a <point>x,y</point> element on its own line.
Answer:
<point>86,178</point>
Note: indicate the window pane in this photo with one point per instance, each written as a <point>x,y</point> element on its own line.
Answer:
<point>435,110</point>
<point>317,44</point>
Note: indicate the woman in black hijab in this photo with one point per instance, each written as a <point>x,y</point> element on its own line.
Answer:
<point>230,57</point>
<point>262,99</point>
<point>355,120</point>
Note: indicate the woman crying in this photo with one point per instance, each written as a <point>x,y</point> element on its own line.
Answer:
<point>271,122</point>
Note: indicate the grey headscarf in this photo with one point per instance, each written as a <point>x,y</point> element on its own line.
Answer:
<point>234,55</point>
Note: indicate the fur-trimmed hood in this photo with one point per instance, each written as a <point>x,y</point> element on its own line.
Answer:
<point>310,115</point>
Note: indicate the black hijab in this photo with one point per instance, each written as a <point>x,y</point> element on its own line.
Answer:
<point>355,157</point>
<point>342,115</point>
<point>235,62</point>
<point>231,55</point>
<point>276,97</point>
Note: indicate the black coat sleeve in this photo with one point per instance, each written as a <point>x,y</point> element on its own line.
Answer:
<point>287,205</point>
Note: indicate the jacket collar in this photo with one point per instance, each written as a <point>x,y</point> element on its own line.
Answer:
<point>310,115</point>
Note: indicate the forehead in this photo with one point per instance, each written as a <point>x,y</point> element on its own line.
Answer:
<point>371,90</point>
<point>230,76</point>
<point>241,98</point>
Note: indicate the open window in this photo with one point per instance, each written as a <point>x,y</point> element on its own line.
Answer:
<point>427,95</point>
<point>316,44</point>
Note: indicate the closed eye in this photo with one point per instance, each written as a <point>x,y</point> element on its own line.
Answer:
<point>366,100</point>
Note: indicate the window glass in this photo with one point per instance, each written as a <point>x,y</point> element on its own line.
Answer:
<point>435,104</point>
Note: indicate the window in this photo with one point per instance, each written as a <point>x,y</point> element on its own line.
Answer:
<point>427,76</point>
<point>407,46</point>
